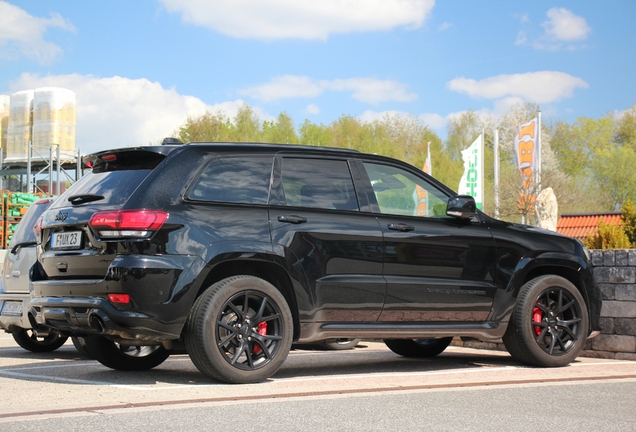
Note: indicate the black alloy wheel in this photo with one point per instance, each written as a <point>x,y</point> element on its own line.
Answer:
<point>418,348</point>
<point>125,357</point>
<point>239,330</point>
<point>549,324</point>
<point>30,341</point>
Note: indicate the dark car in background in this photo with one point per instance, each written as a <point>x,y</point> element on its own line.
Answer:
<point>237,250</point>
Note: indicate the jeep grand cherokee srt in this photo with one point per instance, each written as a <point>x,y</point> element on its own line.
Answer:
<point>238,250</point>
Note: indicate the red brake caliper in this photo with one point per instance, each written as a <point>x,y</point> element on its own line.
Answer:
<point>262,330</point>
<point>537,316</point>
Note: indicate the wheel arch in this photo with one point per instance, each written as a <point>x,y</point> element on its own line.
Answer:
<point>266,270</point>
<point>566,268</point>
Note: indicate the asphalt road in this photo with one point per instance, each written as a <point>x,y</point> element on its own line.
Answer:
<point>368,388</point>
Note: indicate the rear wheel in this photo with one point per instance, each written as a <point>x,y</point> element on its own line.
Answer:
<point>548,326</point>
<point>239,330</point>
<point>340,344</point>
<point>418,347</point>
<point>29,340</point>
<point>125,357</point>
<point>80,345</point>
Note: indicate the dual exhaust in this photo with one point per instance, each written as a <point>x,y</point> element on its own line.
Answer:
<point>97,320</point>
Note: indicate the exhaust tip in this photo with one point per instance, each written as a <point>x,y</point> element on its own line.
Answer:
<point>96,323</point>
<point>31,317</point>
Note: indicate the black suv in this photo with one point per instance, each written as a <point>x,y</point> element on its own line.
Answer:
<point>238,250</point>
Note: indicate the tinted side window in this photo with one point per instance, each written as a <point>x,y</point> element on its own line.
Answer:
<point>399,192</point>
<point>318,183</point>
<point>237,179</point>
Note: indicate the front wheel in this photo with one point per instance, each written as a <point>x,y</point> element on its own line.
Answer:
<point>125,357</point>
<point>418,348</point>
<point>548,326</point>
<point>30,341</point>
<point>239,330</point>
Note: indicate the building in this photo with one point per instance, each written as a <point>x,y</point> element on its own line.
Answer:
<point>584,224</point>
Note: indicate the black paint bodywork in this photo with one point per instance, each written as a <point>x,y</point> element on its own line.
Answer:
<point>344,273</point>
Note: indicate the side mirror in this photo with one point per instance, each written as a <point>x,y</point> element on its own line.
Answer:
<point>461,206</point>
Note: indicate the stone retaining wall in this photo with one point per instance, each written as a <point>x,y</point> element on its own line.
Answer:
<point>615,273</point>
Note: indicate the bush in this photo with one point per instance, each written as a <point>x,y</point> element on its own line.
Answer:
<point>608,237</point>
<point>629,221</point>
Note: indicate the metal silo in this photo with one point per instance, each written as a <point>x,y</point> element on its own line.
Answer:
<point>19,131</point>
<point>4,121</point>
<point>54,121</point>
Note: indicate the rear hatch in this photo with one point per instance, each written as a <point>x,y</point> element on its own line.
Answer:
<point>71,250</point>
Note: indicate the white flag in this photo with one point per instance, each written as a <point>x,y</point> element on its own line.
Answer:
<point>472,182</point>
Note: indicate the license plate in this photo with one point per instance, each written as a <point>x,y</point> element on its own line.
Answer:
<point>12,308</point>
<point>66,240</point>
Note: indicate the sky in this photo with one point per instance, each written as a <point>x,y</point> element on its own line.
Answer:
<point>141,68</point>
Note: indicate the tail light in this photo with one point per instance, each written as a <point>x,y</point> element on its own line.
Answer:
<point>132,224</point>
<point>37,229</point>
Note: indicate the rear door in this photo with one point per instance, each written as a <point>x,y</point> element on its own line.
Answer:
<point>331,238</point>
<point>437,267</point>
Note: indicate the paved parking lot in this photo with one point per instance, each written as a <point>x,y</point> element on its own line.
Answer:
<point>62,383</point>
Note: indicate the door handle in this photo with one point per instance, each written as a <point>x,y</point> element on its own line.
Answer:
<point>293,219</point>
<point>401,227</point>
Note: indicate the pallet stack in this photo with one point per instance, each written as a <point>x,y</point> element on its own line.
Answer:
<point>14,206</point>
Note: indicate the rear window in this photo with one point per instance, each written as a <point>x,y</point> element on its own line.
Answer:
<point>115,186</point>
<point>24,232</point>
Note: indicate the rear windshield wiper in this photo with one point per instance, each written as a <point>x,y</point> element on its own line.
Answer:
<point>81,199</point>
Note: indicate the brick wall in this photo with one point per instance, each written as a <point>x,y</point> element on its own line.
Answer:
<point>615,273</point>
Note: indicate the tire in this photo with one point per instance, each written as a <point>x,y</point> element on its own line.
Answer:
<point>80,345</point>
<point>549,323</point>
<point>418,348</point>
<point>123,357</point>
<point>239,330</point>
<point>30,341</point>
<point>340,344</point>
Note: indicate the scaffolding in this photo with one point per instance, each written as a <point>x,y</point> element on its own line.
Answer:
<point>47,169</point>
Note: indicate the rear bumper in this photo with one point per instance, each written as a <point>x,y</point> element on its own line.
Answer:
<point>159,300</point>
<point>13,310</point>
<point>97,316</point>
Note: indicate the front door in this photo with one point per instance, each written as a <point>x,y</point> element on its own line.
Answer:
<point>438,268</point>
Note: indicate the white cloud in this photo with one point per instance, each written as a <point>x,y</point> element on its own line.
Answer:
<point>537,87</point>
<point>445,26</point>
<point>312,109</point>
<point>121,112</point>
<point>369,90</point>
<point>372,90</point>
<point>21,35</point>
<point>282,19</point>
<point>565,26</point>
<point>562,30</point>
<point>434,121</point>
<point>284,87</point>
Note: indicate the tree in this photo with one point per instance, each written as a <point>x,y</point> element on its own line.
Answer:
<point>281,130</point>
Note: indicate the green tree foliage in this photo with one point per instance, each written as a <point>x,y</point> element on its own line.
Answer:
<point>281,130</point>
<point>607,237</point>
<point>628,218</point>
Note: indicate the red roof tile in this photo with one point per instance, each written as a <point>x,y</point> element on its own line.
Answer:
<point>580,225</point>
